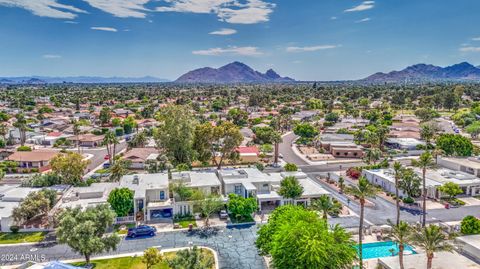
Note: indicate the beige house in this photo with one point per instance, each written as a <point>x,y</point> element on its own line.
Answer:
<point>39,159</point>
<point>87,140</point>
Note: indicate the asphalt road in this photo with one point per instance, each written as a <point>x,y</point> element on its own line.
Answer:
<point>100,153</point>
<point>235,247</point>
<point>285,148</point>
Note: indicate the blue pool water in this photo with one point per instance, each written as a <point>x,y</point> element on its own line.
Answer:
<point>382,249</point>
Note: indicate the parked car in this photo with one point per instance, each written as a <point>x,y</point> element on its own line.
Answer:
<point>223,214</point>
<point>106,165</point>
<point>141,230</point>
<point>107,157</point>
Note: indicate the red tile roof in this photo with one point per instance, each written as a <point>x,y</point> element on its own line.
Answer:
<point>246,150</point>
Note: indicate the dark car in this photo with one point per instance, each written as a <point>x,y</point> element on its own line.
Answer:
<point>141,230</point>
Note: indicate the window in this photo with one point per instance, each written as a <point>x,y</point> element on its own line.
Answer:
<point>162,195</point>
<point>238,189</point>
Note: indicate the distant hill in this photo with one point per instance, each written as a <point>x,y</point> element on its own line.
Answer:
<point>427,72</point>
<point>79,79</point>
<point>235,72</point>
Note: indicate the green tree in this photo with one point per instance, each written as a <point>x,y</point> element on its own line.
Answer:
<point>397,169</point>
<point>473,129</point>
<point>362,191</point>
<point>470,225</point>
<point>119,169</point>
<point>428,132</point>
<point>129,124</point>
<point>401,234</point>
<point>105,115</point>
<point>372,155</point>
<point>207,205</point>
<point>181,191</point>
<point>290,188</point>
<point>121,200</point>
<point>237,116</point>
<point>455,144</point>
<point>324,205</point>
<point>451,189</point>
<point>176,134</point>
<point>21,124</point>
<point>241,208</point>
<point>34,205</point>
<point>85,230</point>
<point>151,257</point>
<point>191,258</point>
<point>70,167</point>
<point>410,183</point>
<point>110,141</point>
<point>431,239</point>
<point>305,130</point>
<point>297,238</point>
<point>424,162</point>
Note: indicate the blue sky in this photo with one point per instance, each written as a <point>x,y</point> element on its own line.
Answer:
<point>303,39</point>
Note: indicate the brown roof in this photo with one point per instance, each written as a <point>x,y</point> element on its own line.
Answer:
<point>87,137</point>
<point>32,156</point>
<point>139,153</point>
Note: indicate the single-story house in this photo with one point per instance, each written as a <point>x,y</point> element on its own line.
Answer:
<point>39,159</point>
<point>404,143</point>
<point>87,140</point>
<point>441,260</point>
<point>468,165</point>
<point>84,197</point>
<point>248,154</point>
<point>138,156</point>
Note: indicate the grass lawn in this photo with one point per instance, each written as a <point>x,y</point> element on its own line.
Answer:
<point>132,262</point>
<point>116,227</point>
<point>184,223</point>
<point>15,238</point>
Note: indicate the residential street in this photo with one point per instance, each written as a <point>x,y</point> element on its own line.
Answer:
<point>235,247</point>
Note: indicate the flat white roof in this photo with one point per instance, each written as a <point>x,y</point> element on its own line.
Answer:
<point>6,208</point>
<point>442,260</point>
<point>467,162</point>
<point>472,240</point>
<point>145,182</point>
<point>311,188</point>
<point>388,174</point>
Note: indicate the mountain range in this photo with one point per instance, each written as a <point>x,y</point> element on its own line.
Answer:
<point>426,72</point>
<point>37,80</point>
<point>235,72</point>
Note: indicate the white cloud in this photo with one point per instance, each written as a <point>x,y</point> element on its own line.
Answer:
<point>363,20</point>
<point>224,31</point>
<point>470,49</point>
<point>476,39</point>
<point>45,8</point>
<point>333,18</point>
<point>365,5</point>
<point>121,8</point>
<point>243,51</point>
<point>51,56</point>
<point>231,11</point>
<point>107,29</point>
<point>71,22</point>
<point>311,48</point>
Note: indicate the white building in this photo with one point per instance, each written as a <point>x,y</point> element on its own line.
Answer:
<point>468,165</point>
<point>250,182</point>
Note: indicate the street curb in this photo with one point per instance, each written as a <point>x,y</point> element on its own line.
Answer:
<point>27,244</point>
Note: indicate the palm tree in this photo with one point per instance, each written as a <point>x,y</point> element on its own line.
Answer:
<point>372,155</point>
<point>437,152</point>
<point>361,191</point>
<point>397,168</point>
<point>119,169</point>
<point>110,141</point>
<point>323,204</point>
<point>424,162</point>
<point>401,234</point>
<point>431,239</point>
<point>21,124</point>
<point>76,132</point>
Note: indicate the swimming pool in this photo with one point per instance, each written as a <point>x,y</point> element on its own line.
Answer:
<point>382,249</point>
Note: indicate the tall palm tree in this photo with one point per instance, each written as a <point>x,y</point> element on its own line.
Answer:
<point>431,239</point>
<point>110,141</point>
<point>424,162</point>
<point>76,132</point>
<point>437,152</point>
<point>401,234</point>
<point>21,124</point>
<point>397,168</point>
<point>323,204</point>
<point>362,191</point>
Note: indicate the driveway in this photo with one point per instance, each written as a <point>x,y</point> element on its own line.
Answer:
<point>235,247</point>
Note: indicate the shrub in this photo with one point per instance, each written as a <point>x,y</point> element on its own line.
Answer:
<point>24,148</point>
<point>291,167</point>
<point>14,229</point>
<point>408,200</point>
<point>260,166</point>
<point>470,225</point>
<point>353,172</point>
